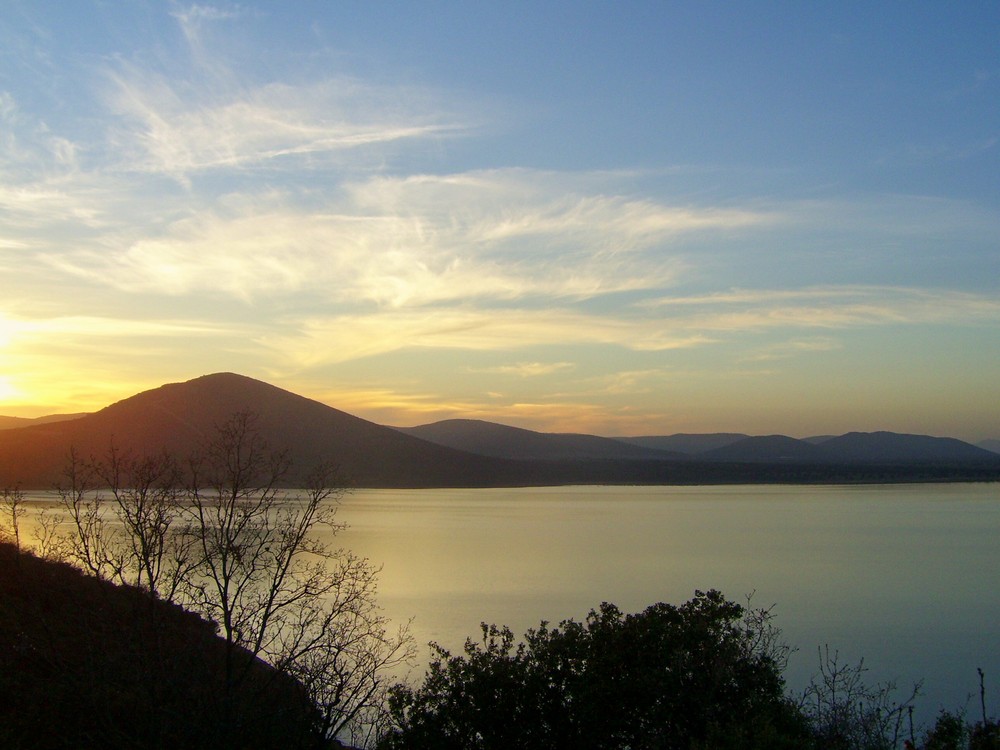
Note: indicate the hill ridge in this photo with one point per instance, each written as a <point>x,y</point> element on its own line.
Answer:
<point>178,417</point>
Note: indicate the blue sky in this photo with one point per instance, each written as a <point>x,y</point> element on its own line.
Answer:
<point>627,218</point>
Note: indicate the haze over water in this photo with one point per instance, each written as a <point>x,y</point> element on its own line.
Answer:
<point>902,575</point>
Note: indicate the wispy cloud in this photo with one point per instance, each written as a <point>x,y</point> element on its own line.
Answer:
<point>412,242</point>
<point>527,369</point>
<point>405,408</point>
<point>192,15</point>
<point>323,340</point>
<point>827,307</point>
<point>183,129</point>
<point>343,338</point>
<point>793,348</point>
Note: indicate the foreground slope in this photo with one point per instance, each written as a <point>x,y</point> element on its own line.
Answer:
<point>88,664</point>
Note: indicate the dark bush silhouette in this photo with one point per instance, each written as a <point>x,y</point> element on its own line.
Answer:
<point>705,674</point>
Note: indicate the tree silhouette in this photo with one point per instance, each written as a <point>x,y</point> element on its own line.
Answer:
<point>705,674</point>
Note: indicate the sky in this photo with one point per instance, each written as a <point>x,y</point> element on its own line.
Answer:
<point>617,218</point>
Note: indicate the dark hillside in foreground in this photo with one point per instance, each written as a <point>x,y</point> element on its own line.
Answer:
<point>87,664</point>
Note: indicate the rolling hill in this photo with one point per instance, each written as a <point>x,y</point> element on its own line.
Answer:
<point>502,441</point>
<point>989,445</point>
<point>180,417</point>
<point>853,448</point>
<point>681,442</point>
<point>12,423</point>
<point>764,448</point>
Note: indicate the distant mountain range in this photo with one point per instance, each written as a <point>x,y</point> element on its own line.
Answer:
<point>10,423</point>
<point>501,441</point>
<point>179,417</point>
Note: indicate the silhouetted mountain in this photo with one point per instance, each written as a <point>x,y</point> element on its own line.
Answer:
<point>502,441</point>
<point>853,448</point>
<point>12,423</point>
<point>179,417</point>
<point>817,439</point>
<point>989,445</point>
<point>893,447</point>
<point>691,444</point>
<point>764,449</point>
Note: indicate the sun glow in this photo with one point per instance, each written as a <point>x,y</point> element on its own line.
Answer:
<point>8,391</point>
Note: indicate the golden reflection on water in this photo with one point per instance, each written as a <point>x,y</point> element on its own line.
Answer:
<point>903,575</point>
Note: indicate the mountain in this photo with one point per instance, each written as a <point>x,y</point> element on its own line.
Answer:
<point>179,417</point>
<point>681,442</point>
<point>502,441</point>
<point>11,423</point>
<point>764,449</point>
<point>893,447</point>
<point>989,445</point>
<point>854,448</point>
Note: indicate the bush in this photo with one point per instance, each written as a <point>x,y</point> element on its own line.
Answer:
<point>705,674</point>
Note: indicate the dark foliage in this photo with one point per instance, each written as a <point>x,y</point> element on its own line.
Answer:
<point>951,731</point>
<point>706,674</point>
<point>88,664</point>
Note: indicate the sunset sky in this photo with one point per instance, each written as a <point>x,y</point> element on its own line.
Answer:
<point>616,218</point>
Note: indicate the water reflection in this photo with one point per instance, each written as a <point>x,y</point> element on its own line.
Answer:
<point>903,575</point>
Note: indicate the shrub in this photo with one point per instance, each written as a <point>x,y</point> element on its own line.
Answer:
<point>707,673</point>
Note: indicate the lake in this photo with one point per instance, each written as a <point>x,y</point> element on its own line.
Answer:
<point>905,576</point>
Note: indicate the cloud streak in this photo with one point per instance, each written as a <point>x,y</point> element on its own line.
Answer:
<point>721,319</point>
<point>427,243</point>
<point>827,307</point>
<point>184,130</point>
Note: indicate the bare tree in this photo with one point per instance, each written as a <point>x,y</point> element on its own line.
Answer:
<point>13,509</point>
<point>344,652</point>
<point>91,542</point>
<point>278,588</point>
<point>225,539</point>
<point>49,541</point>
<point>148,497</point>
<point>848,713</point>
<point>126,520</point>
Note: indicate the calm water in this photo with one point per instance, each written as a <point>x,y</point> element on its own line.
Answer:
<point>906,576</point>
